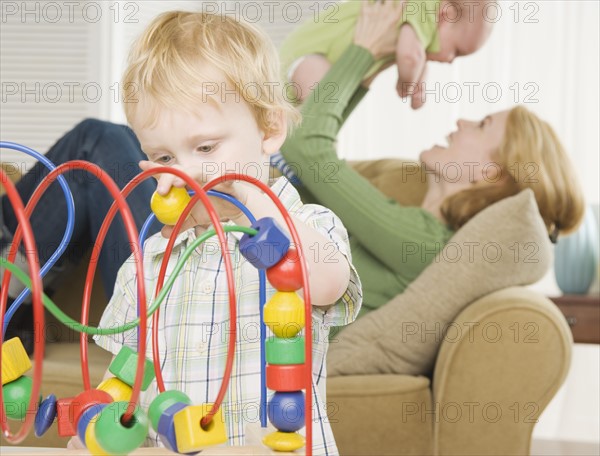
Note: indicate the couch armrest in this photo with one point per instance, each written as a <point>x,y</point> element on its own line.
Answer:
<point>500,364</point>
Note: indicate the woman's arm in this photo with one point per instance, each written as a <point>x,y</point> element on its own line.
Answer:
<point>391,232</point>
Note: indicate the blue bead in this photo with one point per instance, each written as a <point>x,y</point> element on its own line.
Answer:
<point>267,247</point>
<point>88,415</point>
<point>166,428</point>
<point>45,415</point>
<point>286,411</point>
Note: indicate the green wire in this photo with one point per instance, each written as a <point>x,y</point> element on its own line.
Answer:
<point>68,321</point>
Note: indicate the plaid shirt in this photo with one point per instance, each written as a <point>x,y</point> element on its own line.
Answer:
<point>194,322</point>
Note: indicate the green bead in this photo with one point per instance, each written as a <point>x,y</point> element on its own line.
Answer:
<point>285,350</point>
<point>115,437</point>
<point>124,367</point>
<point>16,396</point>
<point>162,402</point>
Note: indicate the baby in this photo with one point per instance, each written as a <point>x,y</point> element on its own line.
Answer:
<point>438,31</point>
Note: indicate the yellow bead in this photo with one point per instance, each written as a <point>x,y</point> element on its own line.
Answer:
<point>91,442</point>
<point>191,437</point>
<point>15,361</point>
<point>168,208</point>
<point>284,441</point>
<point>119,390</point>
<point>284,314</point>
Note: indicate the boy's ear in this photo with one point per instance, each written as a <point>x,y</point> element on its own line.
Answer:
<point>274,138</point>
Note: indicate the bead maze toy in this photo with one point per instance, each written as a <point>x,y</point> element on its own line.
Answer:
<point>108,418</point>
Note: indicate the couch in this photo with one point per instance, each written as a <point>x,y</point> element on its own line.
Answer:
<point>482,394</point>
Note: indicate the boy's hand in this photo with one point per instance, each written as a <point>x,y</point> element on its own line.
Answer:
<point>199,215</point>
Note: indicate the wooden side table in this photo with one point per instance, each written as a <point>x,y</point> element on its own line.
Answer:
<point>582,312</point>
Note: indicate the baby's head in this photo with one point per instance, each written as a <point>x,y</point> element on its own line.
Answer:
<point>201,87</point>
<point>463,27</point>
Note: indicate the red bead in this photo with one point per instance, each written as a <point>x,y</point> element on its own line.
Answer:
<point>287,274</point>
<point>85,400</point>
<point>290,377</point>
<point>64,414</point>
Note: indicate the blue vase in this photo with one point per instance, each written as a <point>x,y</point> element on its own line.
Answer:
<point>576,257</point>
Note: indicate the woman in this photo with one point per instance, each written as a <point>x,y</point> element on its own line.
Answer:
<point>379,228</point>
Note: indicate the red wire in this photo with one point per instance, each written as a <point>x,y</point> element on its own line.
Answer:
<point>307,301</point>
<point>38,309</point>
<point>200,194</point>
<point>132,233</point>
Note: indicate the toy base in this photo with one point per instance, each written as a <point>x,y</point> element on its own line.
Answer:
<point>215,451</point>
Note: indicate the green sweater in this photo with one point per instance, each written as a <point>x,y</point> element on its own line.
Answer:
<point>391,244</point>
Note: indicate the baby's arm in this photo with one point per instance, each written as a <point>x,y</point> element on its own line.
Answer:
<point>410,59</point>
<point>309,71</point>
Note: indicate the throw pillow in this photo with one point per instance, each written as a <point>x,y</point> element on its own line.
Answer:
<point>504,245</point>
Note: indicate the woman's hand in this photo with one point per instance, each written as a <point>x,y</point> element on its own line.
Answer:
<point>377,27</point>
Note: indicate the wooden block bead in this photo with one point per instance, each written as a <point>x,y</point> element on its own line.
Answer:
<point>124,367</point>
<point>118,389</point>
<point>45,415</point>
<point>286,275</point>
<point>284,314</point>
<point>162,402</point>
<point>91,441</point>
<point>284,441</point>
<point>168,208</point>
<point>267,247</point>
<point>117,437</point>
<point>16,396</point>
<point>289,377</point>
<point>64,415</point>
<point>166,426</point>
<point>191,436</point>
<point>15,361</point>
<point>285,351</point>
<point>286,411</point>
<point>88,416</point>
<point>85,400</point>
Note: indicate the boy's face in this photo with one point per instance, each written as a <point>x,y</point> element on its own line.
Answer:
<point>218,138</point>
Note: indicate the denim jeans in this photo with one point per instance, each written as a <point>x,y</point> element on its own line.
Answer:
<point>116,150</point>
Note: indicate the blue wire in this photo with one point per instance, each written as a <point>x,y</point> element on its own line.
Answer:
<point>262,294</point>
<point>262,297</point>
<point>68,231</point>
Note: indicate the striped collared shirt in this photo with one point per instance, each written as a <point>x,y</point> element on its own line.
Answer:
<point>194,322</point>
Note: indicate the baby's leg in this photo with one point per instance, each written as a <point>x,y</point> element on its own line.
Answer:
<point>306,72</point>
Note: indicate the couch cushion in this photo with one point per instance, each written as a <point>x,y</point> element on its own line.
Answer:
<point>504,245</point>
<point>387,411</point>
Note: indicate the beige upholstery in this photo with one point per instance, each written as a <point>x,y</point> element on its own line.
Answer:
<point>474,375</point>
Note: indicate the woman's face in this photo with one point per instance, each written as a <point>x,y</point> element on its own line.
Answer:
<point>469,154</point>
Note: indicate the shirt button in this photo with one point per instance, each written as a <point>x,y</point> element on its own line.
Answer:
<point>207,286</point>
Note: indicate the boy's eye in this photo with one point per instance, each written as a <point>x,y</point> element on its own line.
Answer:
<point>163,160</point>
<point>205,149</point>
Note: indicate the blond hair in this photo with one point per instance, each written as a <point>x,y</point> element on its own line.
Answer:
<point>172,65</point>
<point>530,156</point>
